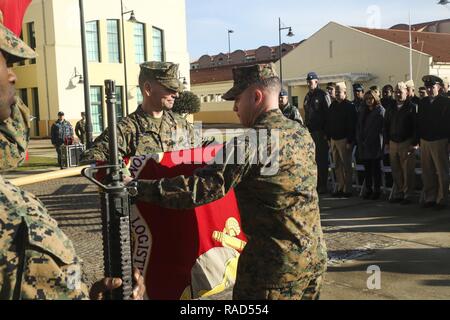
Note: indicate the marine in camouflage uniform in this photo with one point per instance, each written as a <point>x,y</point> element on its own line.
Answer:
<point>80,129</point>
<point>14,136</point>
<point>140,133</point>
<point>285,257</point>
<point>37,261</point>
<point>289,111</point>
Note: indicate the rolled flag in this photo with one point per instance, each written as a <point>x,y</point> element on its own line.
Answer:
<point>185,254</point>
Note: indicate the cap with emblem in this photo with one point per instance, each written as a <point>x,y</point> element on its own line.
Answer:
<point>245,76</point>
<point>402,86</point>
<point>410,84</point>
<point>15,48</point>
<point>60,114</point>
<point>341,86</point>
<point>284,93</point>
<point>358,87</point>
<point>165,73</point>
<point>312,76</point>
<point>431,80</point>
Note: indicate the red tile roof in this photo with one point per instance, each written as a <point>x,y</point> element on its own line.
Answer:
<point>217,74</point>
<point>252,52</point>
<point>419,26</point>
<point>436,45</point>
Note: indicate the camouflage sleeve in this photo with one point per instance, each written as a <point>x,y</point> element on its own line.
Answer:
<point>14,136</point>
<point>100,149</point>
<point>37,260</point>
<point>195,134</point>
<point>236,160</point>
<point>298,116</point>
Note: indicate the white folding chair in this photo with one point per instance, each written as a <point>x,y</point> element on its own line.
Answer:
<point>332,168</point>
<point>360,185</point>
<point>386,170</point>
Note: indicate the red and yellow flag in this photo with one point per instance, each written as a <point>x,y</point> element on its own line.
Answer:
<point>13,13</point>
<point>185,254</point>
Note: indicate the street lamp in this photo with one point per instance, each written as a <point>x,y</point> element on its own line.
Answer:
<point>87,99</point>
<point>229,42</point>
<point>290,34</point>
<point>184,81</point>
<point>132,19</point>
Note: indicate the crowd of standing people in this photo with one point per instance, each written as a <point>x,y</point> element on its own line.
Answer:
<point>392,121</point>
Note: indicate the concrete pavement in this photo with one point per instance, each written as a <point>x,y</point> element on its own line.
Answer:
<point>411,246</point>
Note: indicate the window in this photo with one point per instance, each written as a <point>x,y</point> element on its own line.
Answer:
<point>35,112</point>
<point>139,43</point>
<point>295,101</point>
<point>31,38</point>
<point>92,41</point>
<point>20,63</point>
<point>113,41</point>
<point>158,45</point>
<point>119,103</point>
<point>139,96</point>
<point>23,95</point>
<point>96,109</point>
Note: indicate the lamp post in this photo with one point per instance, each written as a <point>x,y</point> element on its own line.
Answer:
<point>133,20</point>
<point>87,100</point>
<point>229,42</point>
<point>290,34</point>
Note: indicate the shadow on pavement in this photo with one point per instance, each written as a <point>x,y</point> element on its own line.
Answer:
<point>417,261</point>
<point>355,215</point>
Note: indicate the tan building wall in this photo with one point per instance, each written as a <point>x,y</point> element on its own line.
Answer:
<point>340,53</point>
<point>58,44</point>
<point>337,53</point>
<point>213,108</point>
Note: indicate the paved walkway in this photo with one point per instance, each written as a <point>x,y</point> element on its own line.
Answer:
<point>411,246</point>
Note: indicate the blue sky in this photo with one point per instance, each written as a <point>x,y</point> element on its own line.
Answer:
<point>255,22</point>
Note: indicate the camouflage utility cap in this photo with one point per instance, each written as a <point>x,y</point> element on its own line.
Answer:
<point>13,46</point>
<point>244,77</point>
<point>166,73</point>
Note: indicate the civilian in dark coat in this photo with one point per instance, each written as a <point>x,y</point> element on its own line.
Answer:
<point>369,135</point>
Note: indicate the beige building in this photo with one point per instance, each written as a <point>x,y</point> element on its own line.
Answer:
<point>211,77</point>
<point>52,82</point>
<point>338,53</point>
<point>368,56</point>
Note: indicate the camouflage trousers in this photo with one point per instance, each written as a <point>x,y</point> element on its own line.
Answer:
<point>307,289</point>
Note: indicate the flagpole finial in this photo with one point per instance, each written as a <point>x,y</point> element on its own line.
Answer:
<point>1,17</point>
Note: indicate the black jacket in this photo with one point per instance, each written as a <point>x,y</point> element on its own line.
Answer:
<point>341,121</point>
<point>316,108</point>
<point>433,119</point>
<point>369,133</point>
<point>388,103</point>
<point>400,125</point>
